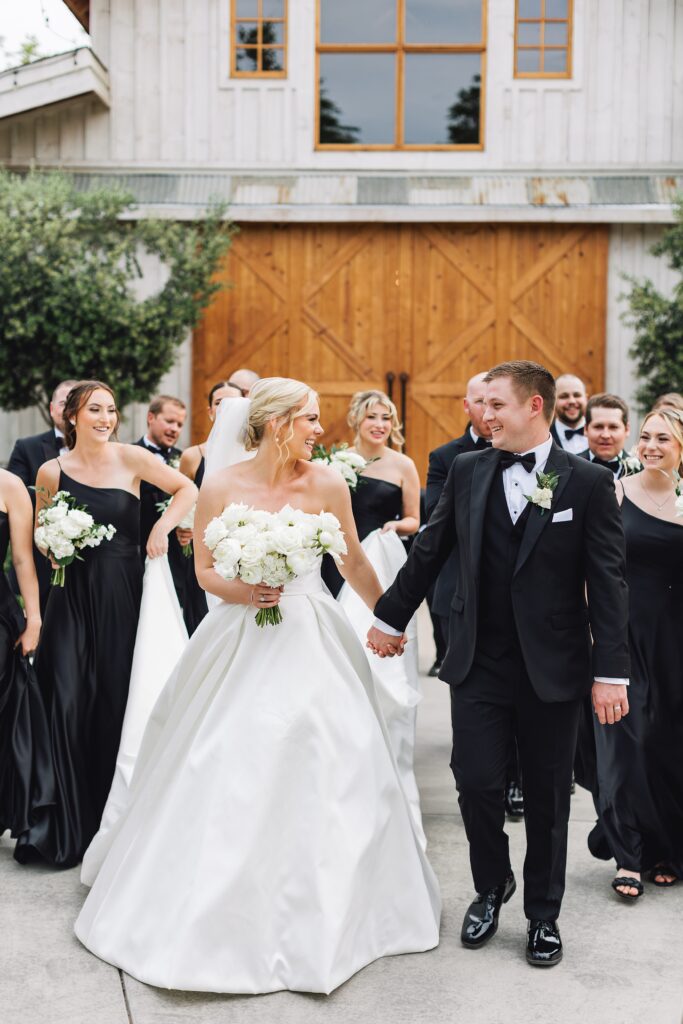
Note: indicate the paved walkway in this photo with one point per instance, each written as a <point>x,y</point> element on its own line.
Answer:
<point>623,964</point>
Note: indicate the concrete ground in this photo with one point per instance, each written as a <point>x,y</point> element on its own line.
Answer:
<point>623,963</point>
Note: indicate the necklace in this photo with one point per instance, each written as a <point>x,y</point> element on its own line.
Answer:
<point>655,503</point>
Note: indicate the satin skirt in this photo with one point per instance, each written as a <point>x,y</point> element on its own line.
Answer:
<point>267,842</point>
<point>397,679</point>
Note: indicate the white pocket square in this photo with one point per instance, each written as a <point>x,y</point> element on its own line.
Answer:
<point>565,516</point>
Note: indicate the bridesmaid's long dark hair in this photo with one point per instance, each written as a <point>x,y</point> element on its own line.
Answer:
<point>75,401</point>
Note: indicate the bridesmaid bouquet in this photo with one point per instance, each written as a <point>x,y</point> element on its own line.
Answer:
<point>349,464</point>
<point>271,548</point>
<point>64,529</point>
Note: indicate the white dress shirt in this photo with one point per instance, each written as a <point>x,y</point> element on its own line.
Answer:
<point>575,444</point>
<point>63,447</point>
<point>517,482</point>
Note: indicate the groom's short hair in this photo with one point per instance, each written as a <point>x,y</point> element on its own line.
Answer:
<point>528,379</point>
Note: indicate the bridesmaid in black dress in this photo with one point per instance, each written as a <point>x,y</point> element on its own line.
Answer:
<point>640,767</point>
<point>388,492</point>
<point>85,653</point>
<point>192,464</point>
<point>25,766</point>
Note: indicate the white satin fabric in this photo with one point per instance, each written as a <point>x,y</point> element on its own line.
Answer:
<point>267,843</point>
<point>159,643</point>
<point>398,679</point>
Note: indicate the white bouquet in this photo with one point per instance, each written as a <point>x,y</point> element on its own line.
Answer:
<point>186,523</point>
<point>271,548</point>
<point>349,464</point>
<point>65,528</point>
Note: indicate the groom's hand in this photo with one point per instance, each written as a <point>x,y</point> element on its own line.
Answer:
<point>610,702</point>
<point>384,644</point>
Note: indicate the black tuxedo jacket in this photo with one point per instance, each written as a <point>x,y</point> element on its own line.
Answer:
<point>440,462</point>
<point>623,454</point>
<point>559,562</point>
<point>29,454</point>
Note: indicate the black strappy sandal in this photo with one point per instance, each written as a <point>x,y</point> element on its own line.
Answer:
<point>631,883</point>
<point>663,869</point>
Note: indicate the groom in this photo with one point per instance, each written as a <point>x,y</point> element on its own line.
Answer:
<point>524,647</point>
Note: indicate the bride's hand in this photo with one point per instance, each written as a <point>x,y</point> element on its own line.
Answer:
<point>257,595</point>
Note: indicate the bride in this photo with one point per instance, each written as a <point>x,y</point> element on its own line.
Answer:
<point>267,843</point>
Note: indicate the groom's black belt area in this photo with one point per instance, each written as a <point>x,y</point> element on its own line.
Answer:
<point>501,541</point>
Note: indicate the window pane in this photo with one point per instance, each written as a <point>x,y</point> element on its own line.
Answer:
<point>273,9</point>
<point>528,60</point>
<point>555,35</point>
<point>272,59</point>
<point>246,60</point>
<point>555,61</point>
<point>529,33</point>
<point>273,32</point>
<point>443,21</point>
<point>357,21</point>
<point>246,8</point>
<point>529,8</point>
<point>556,8</point>
<point>442,98</point>
<point>247,32</point>
<point>357,98</point>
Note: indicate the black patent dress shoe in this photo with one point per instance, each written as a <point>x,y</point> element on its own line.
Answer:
<point>514,802</point>
<point>435,669</point>
<point>481,920</point>
<point>544,945</point>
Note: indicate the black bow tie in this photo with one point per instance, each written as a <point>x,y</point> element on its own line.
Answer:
<point>481,443</point>
<point>570,432</point>
<point>159,449</point>
<point>528,461</point>
<point>612,464</point>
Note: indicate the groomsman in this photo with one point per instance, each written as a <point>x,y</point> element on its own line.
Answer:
<point>607,428</point>
<point>28,455</point>
<point>569,426</point>
<point>244,381</point>
<point>539,614</point>
<point>165,420</point>
<point>477,437</point>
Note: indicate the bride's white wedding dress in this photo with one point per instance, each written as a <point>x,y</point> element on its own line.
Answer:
<point>267,842</point>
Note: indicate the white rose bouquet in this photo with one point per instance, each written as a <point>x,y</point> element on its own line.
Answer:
<point>271,548</point>
<point>65,528</point>
<point>349,464</point>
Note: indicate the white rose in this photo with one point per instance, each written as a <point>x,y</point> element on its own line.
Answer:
<point>75,523</point>
<point>61,548</point>
<point>289,516</point>
<point>234,514</point>
<point>40,537</point>
<point>56,513</point>
<point>543,496</point>
<point>227,552</point>
<point>261,519</point>
<point>302,561</point>
<point>253,551</point>
<point>275,570</point>
<point>350,458</point>
<point>226,572</point>
<point>309,530</point>
<point>327,521</point>
<point>346,471</point>
<point>287,539</point>
<point>245,533</point>
<point>215,532</point>
<point>251,574</point>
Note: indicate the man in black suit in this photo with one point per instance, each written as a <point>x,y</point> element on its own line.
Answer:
<point>28,455</point>
<point>569,425</point>
<point>165,420</point>
<point>535,529</point>
<point>607,428</point>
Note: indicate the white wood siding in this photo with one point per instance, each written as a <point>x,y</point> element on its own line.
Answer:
<point>174,104</point>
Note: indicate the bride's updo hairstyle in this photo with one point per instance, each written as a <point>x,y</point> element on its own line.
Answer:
<point>278,399</point>
<point>360,406</point>
<point>75,400</point>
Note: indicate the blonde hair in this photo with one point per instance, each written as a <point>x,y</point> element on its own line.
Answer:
<point>671,400</point>
<point>278,398</point>
<point>674,419</point>
<point>363,401</point>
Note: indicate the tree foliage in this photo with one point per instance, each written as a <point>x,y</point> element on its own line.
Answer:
<point>658,323</point>
<point>68,307</point>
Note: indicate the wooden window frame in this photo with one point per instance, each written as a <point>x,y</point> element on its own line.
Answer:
<point>400,48</point>
<point>259,19</point>
<point>543,21</point>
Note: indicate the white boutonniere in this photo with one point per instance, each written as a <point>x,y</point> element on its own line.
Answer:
<point>174,462</point>
<point>630,463</point>
<point>678,504</point>
<point>542,495</point>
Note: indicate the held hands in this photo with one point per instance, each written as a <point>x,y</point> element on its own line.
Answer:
<point>184,537</point>
<point>610,702</point>
<point>390,527</point>
<point>384,645</point>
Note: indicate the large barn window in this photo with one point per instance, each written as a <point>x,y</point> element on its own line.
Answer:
<point>400,74</point>
<point>543,39</point>
<point>258,38</point>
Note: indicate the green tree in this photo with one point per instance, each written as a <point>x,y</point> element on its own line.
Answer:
<point>463,115</point>
<point>29,50</point>
<point>658,322</point>
<point>68,307</point>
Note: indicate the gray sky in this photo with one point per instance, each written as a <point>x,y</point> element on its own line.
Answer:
<point>49,20</point>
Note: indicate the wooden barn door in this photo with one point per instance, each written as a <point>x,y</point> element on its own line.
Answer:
<point>418,308</point>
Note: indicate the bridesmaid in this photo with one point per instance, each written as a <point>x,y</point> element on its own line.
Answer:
<point>85,653</point>
<point>388,493</point>
<point>192,464</point>
<point>640,770</point>
<point>25,779</point>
